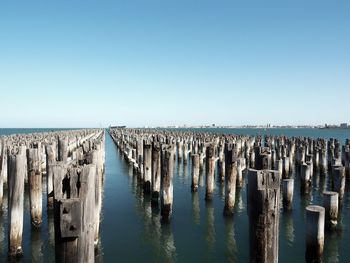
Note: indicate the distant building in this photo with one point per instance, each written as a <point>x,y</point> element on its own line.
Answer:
<point>343,125</point>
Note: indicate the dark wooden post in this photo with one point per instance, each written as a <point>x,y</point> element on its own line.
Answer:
<point>210,164</point>
<point>156,172</point>
<point>147,167</point>
<point>263,210</point>
<point>166,197</point>
<point>195,172</point>
<point>230,180</point>
<point>288,189</point>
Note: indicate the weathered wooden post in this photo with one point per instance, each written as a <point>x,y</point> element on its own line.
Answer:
<point>63,149</point>
<point>156,172</point>
<point>230,180</point>
<point>279,167</point>
<point>75,217</point>
<point>96,158</point>
<point>221,163</point>
<point>286,166</point>
<point>305,177</point>
<point>195,172</point>
<point>179,149</point>
<point>50,161</point>
<point>147,167</point>
<point>210,164</point>
<point>338,174</point>
<point>288,189</point>
<point>323,160</point>
<point>330,203</point>
<point>263,210</point>
<point>167,182</point>
<point>35,187</point>
<point>240,167</point>
<point>315,219</point>
<point>16,174</point>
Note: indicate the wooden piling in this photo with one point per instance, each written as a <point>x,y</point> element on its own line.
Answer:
<point>50,161</point>
<point>63,149</point>
<point>330,203</point>
<point>230,179</point>
<point>35,187</point>
<point>263,210</point>
<point>288,189</point>
<point>167,181</point>
<point>210,164</point>
<point>338,176</point>
<point>315,222</point>
<point>156,172</point>
<point>16,174</point>
<point>147,167</point>
<point>195,172</point>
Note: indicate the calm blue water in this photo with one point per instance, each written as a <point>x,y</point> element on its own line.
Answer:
<point>198,232</point>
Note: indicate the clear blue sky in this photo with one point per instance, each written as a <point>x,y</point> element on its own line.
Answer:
<point>92,63</point>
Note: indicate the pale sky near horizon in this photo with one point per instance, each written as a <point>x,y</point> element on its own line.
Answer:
<point>137,63</point>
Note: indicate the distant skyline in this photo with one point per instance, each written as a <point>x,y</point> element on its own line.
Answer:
<point>160,63</point>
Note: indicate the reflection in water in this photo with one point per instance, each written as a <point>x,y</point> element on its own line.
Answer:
<point>196,208</point>
<point>211,238</point>
<point>168,243</point>
<point>51,228</point>
<point>201,178</point>
<point>222,191</point>
<point>239,200</point>
<point>289,225</point>
<point>36,246</point>
<point>230,240</point>
<point>332,247</point>
<point>157,235</point>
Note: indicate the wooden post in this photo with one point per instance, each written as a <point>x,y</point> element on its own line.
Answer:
<point>323,160</point>
<point>263,210</point>
<point>330,203</point>
<point>210,164</point>
<point>75,217</point>
<point>98,161</point>
<point>86,249</point>
<point>16,174</point>
<point>179,149</point>
<point>195,172</point>
<point>230,180</point>
<point>156,172</point>
<point>286,168</point>
<point>221,163</point>
<point>50,161</point>
<point>338,174</point>
<point>288,189</point>
<point>63,149</point>
<point>305,177</point>
<point>240,167</point>
<point>147,167</point>
<point>3,168</point>
<point>35,187</point>
<point>279,167</point>
<point>315,219</point>
<point>166,198</point>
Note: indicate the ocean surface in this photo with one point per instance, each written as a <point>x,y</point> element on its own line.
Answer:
<point>131,231</point>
